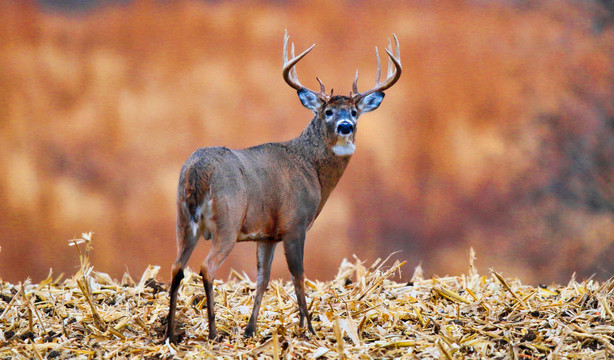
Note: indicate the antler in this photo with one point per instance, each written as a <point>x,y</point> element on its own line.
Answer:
<point>289,71</point>
<point>392,76</point>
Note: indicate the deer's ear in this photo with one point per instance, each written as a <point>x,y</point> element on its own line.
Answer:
<point>309,100</point>
<point>370,102</point>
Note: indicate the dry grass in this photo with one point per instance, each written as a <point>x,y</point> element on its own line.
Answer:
<point>360,314</point>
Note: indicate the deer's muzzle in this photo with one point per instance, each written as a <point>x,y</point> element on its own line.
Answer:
<point>345,127</point>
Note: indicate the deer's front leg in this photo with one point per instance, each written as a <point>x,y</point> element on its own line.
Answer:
<point>265,253</point>
<point>294,244</point>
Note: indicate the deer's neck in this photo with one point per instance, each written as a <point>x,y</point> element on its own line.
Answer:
<point>313,143</point>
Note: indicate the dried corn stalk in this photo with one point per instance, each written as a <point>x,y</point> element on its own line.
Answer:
<point>359,314</point>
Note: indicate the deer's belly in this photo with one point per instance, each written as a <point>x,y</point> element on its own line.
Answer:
<point>258,235</point>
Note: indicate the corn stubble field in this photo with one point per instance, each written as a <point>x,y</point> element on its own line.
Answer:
<point>360,314</point>
<point>498,136</point>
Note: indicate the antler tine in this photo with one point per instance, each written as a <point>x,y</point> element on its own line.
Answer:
<point>289,71</point>
<point>398,53</point>
<point>378,74</point>
<point>355,83</point>
<point>293,71</point>
<point>396,40</point>
<point>394,69</point>
<point>285,48</point>
<point>322,89</point>
<point>389,72</point>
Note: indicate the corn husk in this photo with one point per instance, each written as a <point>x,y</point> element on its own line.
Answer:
<point>361,314</point>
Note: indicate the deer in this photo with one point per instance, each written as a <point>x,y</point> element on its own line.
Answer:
<point>270,193</point>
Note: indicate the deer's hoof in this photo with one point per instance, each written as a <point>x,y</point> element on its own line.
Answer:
<point>249,332</point>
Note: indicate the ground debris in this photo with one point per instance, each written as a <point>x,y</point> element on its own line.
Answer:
<point>362,313</point>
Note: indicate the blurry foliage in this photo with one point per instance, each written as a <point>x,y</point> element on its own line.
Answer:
<point>500,134</point>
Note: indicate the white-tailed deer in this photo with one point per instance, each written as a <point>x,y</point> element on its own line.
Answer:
<point>272,192</point>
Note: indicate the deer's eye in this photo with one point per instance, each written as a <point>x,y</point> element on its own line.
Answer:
<point>328,112</point>
<point>354,113</point>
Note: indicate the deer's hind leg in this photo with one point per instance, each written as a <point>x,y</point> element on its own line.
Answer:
<point>225,229</point>
<point>186,241</point>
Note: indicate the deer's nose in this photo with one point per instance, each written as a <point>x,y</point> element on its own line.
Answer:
<point>345,128</point>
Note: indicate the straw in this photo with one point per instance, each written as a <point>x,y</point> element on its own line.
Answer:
<point>362,313</point>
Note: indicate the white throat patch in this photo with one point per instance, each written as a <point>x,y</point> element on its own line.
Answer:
<point>343,147</point>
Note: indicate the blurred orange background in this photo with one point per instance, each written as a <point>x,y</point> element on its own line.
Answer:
<point>499,135</point>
